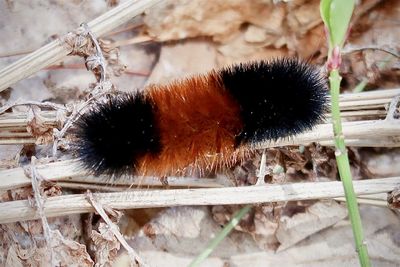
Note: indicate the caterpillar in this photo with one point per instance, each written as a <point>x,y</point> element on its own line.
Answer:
<point>206,121</point>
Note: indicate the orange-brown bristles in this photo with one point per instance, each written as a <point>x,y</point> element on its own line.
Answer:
<point>198,121</point>
<point>206,122</point>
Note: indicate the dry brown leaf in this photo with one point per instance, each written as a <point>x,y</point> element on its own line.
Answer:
<point>377,29</point>
<point>37,128</point>
<point>106,245</point>
<point>174,20</point>
<point>394,198</point>
<point>318,216</point>
<point>23,243</point>
<point>68,252</point>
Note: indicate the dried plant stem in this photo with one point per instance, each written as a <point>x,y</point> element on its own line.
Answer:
<point>351,105</point>
<point>70,170</point>
<point>373,202</point>
<point>369,105</point>
<point>39,201</point>
<point>55,51</point>
<point>359,133</point>
<point>32,103</point>
<point>21,210</point>
<point>114,229</point>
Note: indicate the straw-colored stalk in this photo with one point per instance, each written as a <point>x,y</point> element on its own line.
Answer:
<point>55,51</point>
<point>21,210</point>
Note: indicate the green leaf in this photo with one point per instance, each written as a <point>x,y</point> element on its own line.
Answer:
<point>340,15</point>
<point>336,15</point>
<point>324,9</point>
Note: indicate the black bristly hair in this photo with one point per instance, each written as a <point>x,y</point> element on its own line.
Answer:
<point>113,134</point>
<point>277,98</point>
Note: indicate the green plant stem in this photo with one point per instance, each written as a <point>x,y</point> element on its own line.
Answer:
<point>344,171</point>
<point>221,235</point>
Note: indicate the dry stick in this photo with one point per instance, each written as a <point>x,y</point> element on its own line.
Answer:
<point>349,106</point>
<point>362,133</point>
<point>387,49</point>
<point>17,121</point>
<point>127,28</point>
<point>379,203</point>
<point>55,51</point>
<point>21,210</point>
<point>70,170</point>
<point>98,58</point>
<point>353,104</point>
<point>82,66</point>
<point>131,41</point>
<point>355,131</point>
<point>262,170</point>
<point>102,87</point>
<point>393,112</point>
<point>32,103</point>
<point>114,229</point>
<point>350,103</point>
<point>39,201</point>
<point>352,130</point>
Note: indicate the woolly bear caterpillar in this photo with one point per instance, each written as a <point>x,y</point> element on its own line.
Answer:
<point>208,120</point>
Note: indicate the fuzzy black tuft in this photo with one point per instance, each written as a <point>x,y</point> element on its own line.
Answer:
<point>114,134</point>
<point>277,99</point>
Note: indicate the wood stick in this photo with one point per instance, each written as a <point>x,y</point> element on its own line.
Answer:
<point>55,51</point>
<point>356,133</point>
<point>21,210</point>
<point>354,107</point>
<point>70,170</point>
<point>354,130</point>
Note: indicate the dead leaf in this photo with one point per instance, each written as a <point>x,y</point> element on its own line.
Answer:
<point>69,252</point>
<point>319,216</point>
<point>37,128</point>
<point>106,245</point>
<point>394,198</point>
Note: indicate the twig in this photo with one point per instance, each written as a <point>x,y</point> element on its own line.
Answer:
<point>21,210</point>
<point>102,87</point>
<point>96,60</point>
<point>81,66</point>
<point>16,53</point>
<point>75,115</point>
<point>262,170</point>
<point>357,130</point>
<point>353,48</point>
<point>134,40</point>
<point>32,103</point>
<point>369,105</point>
<point>55,51</point>
<point>127,28</point>
<point>114,229</point>
<point>70,170</point>
<point>36,180</point>
<point>379,203</point>
<point>393,111</point>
